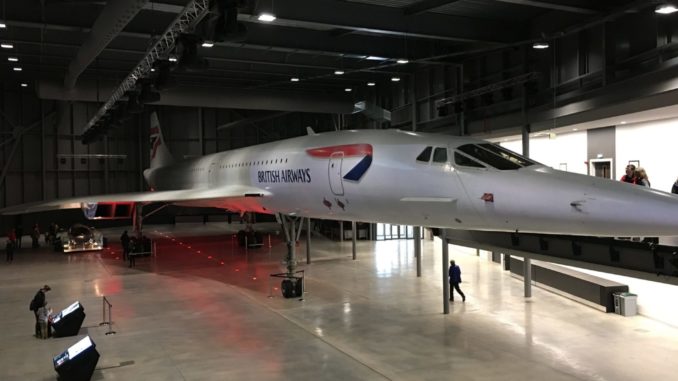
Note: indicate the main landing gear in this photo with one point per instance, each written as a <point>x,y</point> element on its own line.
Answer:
<point>292,285</point>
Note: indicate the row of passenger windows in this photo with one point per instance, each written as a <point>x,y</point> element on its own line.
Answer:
<point>245,164</point>
<point>477,156</point>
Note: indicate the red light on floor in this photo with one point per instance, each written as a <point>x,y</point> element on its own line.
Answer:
<point>221,263</point>
<point>209,257</point>
<point>275,288</point>
<point>237,269</point>
<point>198,251</point>
<point>188,247</point>
<point>254,278</point>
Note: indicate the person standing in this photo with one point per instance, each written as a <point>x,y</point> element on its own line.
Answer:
<point>124,241</point>
<point>642,177</point>
<point>9,250</point>
<point>454,274</point>
<point>35,236</point>
<point>39,300</point>
<point>630,176</point>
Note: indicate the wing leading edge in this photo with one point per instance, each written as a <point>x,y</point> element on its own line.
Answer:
<point>173,196</point>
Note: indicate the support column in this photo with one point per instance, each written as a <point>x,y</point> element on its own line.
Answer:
<point>137,220</point>
<point>354,236</point>
<point>308,241</point>
<point>341,231</point>
<point>445,269</point>
<point>417,248</point>
<point>527,276</point>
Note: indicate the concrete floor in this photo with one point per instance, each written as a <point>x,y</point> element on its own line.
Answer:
<point>200,310</point>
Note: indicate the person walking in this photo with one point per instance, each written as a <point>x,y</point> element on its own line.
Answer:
<point>19,231</point>
<point>124,242</point>
<point>454,274</point>
<point>38,301</point>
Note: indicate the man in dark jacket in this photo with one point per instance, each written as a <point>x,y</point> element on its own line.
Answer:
<point>124,242</point>
<point>9,250</point>
<point>39,301</point>
<point>455,278</point>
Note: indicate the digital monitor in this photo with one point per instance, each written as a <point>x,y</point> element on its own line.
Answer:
<point>78,347</point>
<point>70,309</point>
<point>60,359</point>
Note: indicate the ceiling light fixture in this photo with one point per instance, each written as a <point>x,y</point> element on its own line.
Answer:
<point>17,68</point>
<point>402,61</point>
<point>6,46</point>
<point>24,85</point>
<point>375,58</point>
<point>395,79</point>
<point>12,59</point>
<point>207,44</point>
<point>152,69</point>
<point>339,72</point>
<point>371,84</point>
<point>623,122</point>
<point>172,59</point>
<point>348,89</point>
<point>294,79</point>
<point>540,45</point>
<point>665,9</point>
<point>3,25</point>
<point>266,17</point>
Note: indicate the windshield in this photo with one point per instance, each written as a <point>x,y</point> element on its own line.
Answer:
<point>496,156</point>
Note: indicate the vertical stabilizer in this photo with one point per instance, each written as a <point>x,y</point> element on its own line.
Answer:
<point>160,155</point>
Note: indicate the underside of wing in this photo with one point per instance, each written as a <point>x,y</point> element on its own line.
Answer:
<point>184,196</point>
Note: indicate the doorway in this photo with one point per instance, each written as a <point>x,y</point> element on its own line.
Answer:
<point>601,168</point>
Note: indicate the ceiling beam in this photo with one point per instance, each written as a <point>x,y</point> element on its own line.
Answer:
<point>551,6</point>
<point>425,6</point>
<point>389,21</point>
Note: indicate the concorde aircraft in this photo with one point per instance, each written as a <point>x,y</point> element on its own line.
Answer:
<point>396,177</point>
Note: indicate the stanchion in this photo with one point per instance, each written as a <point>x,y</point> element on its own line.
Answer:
<point>108,322</point>
<point>269,241</point>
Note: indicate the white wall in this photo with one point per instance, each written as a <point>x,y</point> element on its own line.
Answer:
<point>654,144</point>
<point>655,300</point>
<point>569,148</point>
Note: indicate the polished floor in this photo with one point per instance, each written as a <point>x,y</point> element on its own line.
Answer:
<point>204,309</point>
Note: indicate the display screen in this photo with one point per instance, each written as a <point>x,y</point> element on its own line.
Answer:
<point>70,309</point>
<point>78,347</point>
<point>60,359</point>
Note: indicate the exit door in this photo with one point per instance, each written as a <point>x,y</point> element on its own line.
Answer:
<point>601,168</point>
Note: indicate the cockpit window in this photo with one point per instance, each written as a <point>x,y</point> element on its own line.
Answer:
<point>440,155</point>
<point>466,161</point>
<point>495,156</point>
<point>425,155</point>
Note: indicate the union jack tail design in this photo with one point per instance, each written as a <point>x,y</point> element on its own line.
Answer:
<point>160,155</point>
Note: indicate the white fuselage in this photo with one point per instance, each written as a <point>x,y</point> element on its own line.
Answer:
<point>308,180</point>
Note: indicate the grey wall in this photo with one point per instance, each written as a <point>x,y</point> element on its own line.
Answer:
<point>601,141</point>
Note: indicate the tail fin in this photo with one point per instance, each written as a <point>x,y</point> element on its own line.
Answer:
<point>160,155</point>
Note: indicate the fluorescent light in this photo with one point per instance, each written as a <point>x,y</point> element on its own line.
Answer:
<point>16,68</point>
<point>266,17</point>
<point>12,59</point>
<point>173,59</point>
<point>395,79</point>
<point>540,45</point>
<point>375,58</point>
<point>294,79</point>
<point>207,44</point>
<point>623,122</point>
<point>665,9</point>
<point>403,61</point>
<point>339,72</point>
<point>3,25</point>
<point>348,89</point>
<point>6,46</point>
<point>371,84</point>
<point>24,85</point>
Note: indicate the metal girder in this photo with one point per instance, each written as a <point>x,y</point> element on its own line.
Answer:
<point>488,89</point>
<point>360,17</point>
<point>551,6</point>
<point>425,6</point>
<point>187,19</point>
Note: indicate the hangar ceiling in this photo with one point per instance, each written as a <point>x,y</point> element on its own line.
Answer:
<point>340,50</point>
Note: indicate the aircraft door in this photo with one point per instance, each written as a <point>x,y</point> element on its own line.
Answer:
<point>212,174</point>
<point>334,173</point>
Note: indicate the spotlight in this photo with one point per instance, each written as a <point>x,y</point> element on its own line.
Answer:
<point>348,89</point>
<point>3,25</point>
<point>540,45</point>
<point>266,17</point>
<point>294,79</point>
<point>207,44</point>
<point>371,84</point>
<point>665,9</point>
<point>403,61</point>
<point>395,79</point>
<point>172,59</point>
<point>339,72</point>
<point>5,45</point>
<point>12,59</point>
<point>24,85</point>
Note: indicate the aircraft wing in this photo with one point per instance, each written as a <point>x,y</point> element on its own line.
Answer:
<point>184,195</point>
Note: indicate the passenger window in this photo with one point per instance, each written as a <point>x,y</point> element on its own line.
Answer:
<point>440,155</point>
<point>425,155</point>
<point>462,160</point>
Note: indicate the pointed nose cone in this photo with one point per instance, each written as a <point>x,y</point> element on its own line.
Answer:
<point>603,207</point>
